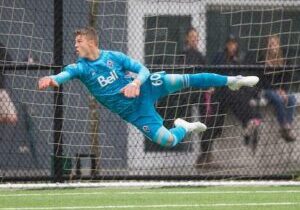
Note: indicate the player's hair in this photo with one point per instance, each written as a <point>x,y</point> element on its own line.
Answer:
<point>89,32</point>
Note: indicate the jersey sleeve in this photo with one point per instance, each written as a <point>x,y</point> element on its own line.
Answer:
<point>136,67</point>
<point>69,72</point>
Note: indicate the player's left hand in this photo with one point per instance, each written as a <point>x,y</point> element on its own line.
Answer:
<point>132,90</point>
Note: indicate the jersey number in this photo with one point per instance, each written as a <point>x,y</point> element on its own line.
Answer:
<point>156,79</point>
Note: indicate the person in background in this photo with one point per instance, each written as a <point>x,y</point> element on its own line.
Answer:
<point>275,82</point>
<point>191,52</point>
<point>193,57</point>
<point>8,112</point>
<point>237,102</point>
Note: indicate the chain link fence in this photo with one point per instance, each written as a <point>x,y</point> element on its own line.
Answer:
<point>252,133</point>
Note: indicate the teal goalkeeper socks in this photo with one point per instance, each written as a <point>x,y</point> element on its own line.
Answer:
<point>207,80</point>
<point>178,134</point>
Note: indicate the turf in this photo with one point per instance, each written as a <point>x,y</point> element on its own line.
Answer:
<point>204,198</point>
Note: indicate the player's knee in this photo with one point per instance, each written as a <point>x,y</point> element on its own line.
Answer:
<point>166,141</point>
<point>170,142</point>
<point>164,138</point>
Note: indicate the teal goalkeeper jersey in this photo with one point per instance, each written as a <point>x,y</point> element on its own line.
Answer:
<point>105,77</point>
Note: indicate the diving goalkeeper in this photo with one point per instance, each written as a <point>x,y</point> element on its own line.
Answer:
<point>106,76</point>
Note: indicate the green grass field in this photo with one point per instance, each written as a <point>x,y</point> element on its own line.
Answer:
<point>183,198</point>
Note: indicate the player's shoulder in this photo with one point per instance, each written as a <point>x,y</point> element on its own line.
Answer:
<point>71,66</point>
<point>114,55</point>
<point>75,67</point>
<point>112,52</point>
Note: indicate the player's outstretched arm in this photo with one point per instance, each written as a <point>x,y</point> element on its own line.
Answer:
<point>46,82</point>
<point>55,80</point>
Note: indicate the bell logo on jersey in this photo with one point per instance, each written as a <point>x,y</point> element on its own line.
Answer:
<point>104,81</point>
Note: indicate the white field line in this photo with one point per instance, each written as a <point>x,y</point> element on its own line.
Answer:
<point>120,184</point>
<point>150,193</point>
<point>167,206</point>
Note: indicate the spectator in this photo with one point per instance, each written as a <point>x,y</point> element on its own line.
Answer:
<point>276,86</point>
<point>193,56</point>
<point>237,102</point>
<point>191,53</point>
<point>230,55</point>
<point>8,113</point>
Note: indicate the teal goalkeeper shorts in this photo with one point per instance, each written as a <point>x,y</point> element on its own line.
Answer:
<point>146,118</point>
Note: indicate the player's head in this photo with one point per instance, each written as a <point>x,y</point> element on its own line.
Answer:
<point>86,41</point>
<point>191,38</point>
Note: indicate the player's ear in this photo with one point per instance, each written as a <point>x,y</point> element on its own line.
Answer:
<point>95,43</point>
<point>91,42</point>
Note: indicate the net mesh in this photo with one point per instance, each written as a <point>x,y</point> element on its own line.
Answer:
<point>96,144</point>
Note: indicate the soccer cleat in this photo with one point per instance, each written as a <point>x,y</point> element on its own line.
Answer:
<point>240,81</point>
<point>195,127</point>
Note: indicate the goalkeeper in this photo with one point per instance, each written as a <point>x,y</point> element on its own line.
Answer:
<point>106,76</point>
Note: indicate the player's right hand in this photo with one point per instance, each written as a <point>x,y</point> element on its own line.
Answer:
<point>132,90</point>
<point>45,82</point>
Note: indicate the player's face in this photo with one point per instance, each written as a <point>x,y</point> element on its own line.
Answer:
<point>193,39</point>
<point>82,46</point>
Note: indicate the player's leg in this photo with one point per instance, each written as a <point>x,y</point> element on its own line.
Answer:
<point>163,84</point>
<point>153,128</point>
<point>168,138</point>
<point>176,82</point>
<point>172,137</point>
